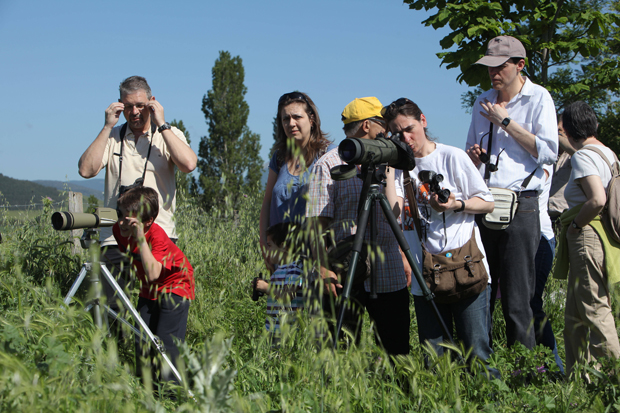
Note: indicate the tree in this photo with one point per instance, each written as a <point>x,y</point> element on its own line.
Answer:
<point>571,45</point>
<point>185,183</point>
<point>229,161</point>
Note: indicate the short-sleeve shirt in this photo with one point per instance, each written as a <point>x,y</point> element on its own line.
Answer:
<point>286,277</point>
<point>159,174</point>
<point>289,194</point>
<point>461,177</point>
<point>177,274</point>
<point>586,163</point>
<point>338,200</point>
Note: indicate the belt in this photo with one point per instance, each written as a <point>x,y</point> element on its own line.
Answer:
<point>528,194</point>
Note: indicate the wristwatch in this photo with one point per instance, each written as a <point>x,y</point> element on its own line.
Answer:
<point>462,208</point>
<point>506,121</point>
<point>163,127</point>
<point>574,225</point>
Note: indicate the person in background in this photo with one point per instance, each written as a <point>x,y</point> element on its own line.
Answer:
<point>299,143</point>
<point>333,205</point>
<point>585,251</point>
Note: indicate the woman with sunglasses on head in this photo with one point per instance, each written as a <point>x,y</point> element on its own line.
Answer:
<point>299,143</point>
<point>447,223</point>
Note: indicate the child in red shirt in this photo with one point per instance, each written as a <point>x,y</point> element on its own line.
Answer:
<point>166,276</point>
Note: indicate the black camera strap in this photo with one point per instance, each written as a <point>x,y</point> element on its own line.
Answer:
<point>487,173</point>
<point>120,160</point>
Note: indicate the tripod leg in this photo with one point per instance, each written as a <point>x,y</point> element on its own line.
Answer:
<point>78,281</point>
<point>404,246</point>
<point>357,247</point>
<point>155,340</point>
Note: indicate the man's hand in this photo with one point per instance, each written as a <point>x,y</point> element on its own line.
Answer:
<point>495,113</point>
<point>157,111</point>
<point>474,154</point>
<point>439,207</point>
<point>113,113</point>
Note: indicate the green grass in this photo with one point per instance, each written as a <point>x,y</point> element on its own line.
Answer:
<point>53,358</point>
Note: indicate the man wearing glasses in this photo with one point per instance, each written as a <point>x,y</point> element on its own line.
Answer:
<point>513,133</point>
<point>143,151</point>
<point>335,204</point>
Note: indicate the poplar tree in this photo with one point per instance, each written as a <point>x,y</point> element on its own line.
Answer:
<point>229,163</point>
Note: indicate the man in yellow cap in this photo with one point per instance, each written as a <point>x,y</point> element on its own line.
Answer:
<point>335,204</point>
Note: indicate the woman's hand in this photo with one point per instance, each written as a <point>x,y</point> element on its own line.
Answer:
<point>331,281</point>
<point>439,207</point>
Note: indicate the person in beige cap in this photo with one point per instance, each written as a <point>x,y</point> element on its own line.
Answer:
<point>334,205</point>
<point>514,128</point>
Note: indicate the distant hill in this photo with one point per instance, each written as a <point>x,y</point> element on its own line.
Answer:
<point>23,193</point>
<point>86,187</point>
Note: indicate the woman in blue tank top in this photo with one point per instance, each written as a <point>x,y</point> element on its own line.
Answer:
<point>299,143</point>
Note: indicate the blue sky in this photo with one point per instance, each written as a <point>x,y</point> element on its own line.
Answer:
<point>61,63</point>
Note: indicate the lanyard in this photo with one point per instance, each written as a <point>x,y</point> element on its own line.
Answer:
<point>120,161</point>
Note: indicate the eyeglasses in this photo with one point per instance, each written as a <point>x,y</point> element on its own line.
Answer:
<point>394,105</point>
<point>486,159</point>
<point>292,96</point>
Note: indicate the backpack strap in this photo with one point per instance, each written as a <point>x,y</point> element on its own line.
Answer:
<point>602,155</point>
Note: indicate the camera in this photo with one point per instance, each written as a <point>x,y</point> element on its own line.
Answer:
<point>433,180</point>
<point>380,150</point>
<point>103,217</point>
<point>124,188</point>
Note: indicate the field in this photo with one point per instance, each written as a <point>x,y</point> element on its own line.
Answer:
<point>54,359</point>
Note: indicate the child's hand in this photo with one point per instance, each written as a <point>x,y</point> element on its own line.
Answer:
<point>137,228</point>
<point>262,285</point>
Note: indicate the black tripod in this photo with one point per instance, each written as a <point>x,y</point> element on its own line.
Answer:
<point>374,177</point>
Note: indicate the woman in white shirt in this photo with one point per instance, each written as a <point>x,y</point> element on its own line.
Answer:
<point>446,226</point>
<point>590,329</point>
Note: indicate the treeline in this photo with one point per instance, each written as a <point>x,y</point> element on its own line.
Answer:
<point>17,192</point>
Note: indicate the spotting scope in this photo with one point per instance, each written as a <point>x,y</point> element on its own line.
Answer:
<point>380,150</point>
<point>103,217</point>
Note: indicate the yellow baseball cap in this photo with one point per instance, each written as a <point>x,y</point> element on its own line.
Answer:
<point>362,108</point>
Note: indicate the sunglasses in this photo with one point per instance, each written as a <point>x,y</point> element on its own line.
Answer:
<point>486,159</point>
<point>394,105</point>
<point>292,96</point>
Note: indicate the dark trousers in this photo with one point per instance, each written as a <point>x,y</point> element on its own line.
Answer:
<point>389,312</point>
<point>542,325</point>
<point>511,256</point>
<point>166,317</point>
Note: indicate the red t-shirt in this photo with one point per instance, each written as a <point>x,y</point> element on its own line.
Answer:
<point>177,274</point>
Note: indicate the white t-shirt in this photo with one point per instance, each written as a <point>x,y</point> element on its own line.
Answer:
<point>585,163</point>
<point>461,177</point>
<point>546,229</point>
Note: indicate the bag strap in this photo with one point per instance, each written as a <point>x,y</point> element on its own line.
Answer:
<point>413,203</point>
<point>602,155</point>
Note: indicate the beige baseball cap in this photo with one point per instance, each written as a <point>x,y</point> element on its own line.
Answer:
<point>500,49</point>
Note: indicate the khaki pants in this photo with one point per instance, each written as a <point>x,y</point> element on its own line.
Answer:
<point>590,329</point>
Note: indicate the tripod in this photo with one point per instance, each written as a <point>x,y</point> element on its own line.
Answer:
<point>373,177</point>
<point>97,306</point>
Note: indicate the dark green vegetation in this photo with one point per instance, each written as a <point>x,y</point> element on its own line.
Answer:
<point>572,48</point>
<point>229,163</point>
<point>54,359</point>
<point>20,192</point>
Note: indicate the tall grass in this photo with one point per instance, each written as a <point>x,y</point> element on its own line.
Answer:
<point>53,358</point>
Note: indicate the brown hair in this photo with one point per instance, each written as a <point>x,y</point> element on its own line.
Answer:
<point>318,141</point>
<point>142,200</point>
<point>405,107</point>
